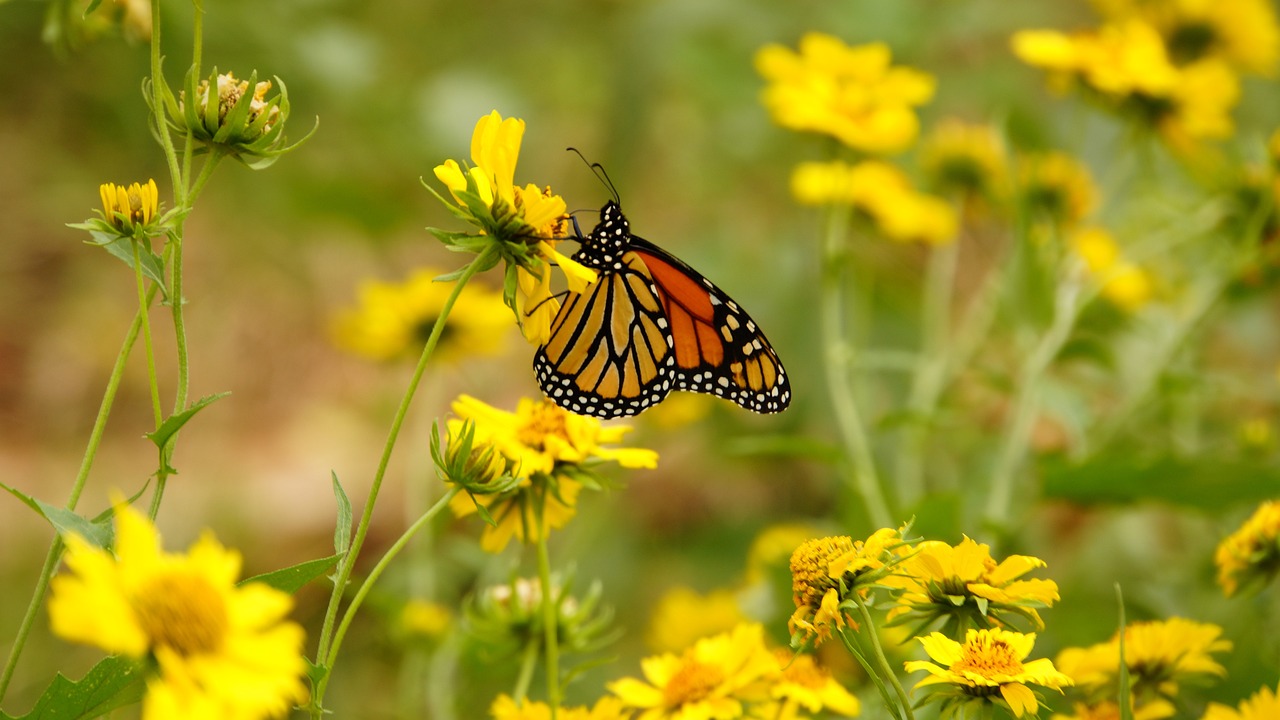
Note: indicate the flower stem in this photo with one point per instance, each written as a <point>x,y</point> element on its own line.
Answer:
<point>144,307</point>
<point>873,638</point>
<point>374,574</point>
<point>865,481</point>
<point>549,602</point>
<point>86,463</point>
<point>528,663</point>
<point>345,567</point>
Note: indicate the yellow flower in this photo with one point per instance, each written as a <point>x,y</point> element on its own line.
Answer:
<point>221,650</point>
<point>771,550</point>
<point>425,619</point>
<point>682,616</point>
<point>827,571</point>
<point>1159,655</point>
<point>130,209</point>
<point>505,708</point>
<point>882,193</point>
<point>1056,186</point>
<point>712,679</point>
<point>393,320</point>
<point>850,93</point>
<point>1250,555</point>
<point>1157,709</point>
<point>1123,283</point>
<point>989,660</point>
<point>965,158</point>
<point>1242,32</point>
<point>801,683</point>
<point>1262,705</point>
<point>966,587</point>
<point>514,513</point>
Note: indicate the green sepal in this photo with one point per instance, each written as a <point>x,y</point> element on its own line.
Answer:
<point>161,435</point>
<point>66,522</point>
<point>113,683</point>
<point>294,577</point>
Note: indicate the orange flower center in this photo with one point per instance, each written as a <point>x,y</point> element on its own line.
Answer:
<point>988,659</point>
<point>810,563</point>
<point>544,420</point>
<point>694,681</point>
<point>183,612</point>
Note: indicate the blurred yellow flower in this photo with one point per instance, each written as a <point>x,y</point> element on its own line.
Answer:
<point>1056,186</point>
<point>1157,709</point>
<point>987,661</point>
<point>772,548</point>
<point>965,587</point>
<point>393,320</point>
<point>1262,705</point>
<point>1250,556</point>
<point>882,193</point>
<point>606,708</point>
<point>220,650</point>
<point>425,619</point>
<point>1123,283</point>
<point>129,209</point>
<point>802,684</point>
<point>965,158</point>
<point>1159,655</point>
<point>1243,32</point>
<point>853,94</point>
<point>682,616</point>
<point>712,679</point>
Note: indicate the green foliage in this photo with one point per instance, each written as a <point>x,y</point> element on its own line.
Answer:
<point>113,683</point>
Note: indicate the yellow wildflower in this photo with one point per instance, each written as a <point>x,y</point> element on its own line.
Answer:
<point>1157,709</point>
<point>219,649</point>
<point>827,571</point>
<point>965,158</point>
<point>682,616</point>
<point>803,684</point>
<point>1123,283</point>
<point>1250,556</point>
<point>712,679</point>
<point>132,208</point>
<point>1056,186</point>
<point>505,708</point>
<point>1242,32</point>
<point>853,94</point>
<point>424,619</point>
<point>989,660</point>
<point>1262,705</point>
<point>882,193</point>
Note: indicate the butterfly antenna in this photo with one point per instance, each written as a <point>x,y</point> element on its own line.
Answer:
<point>598,170</point>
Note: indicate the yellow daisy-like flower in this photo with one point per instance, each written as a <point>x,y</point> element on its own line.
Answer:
<point>964,586</point>
<point>682,616</point>
<point>1126,285</point>
<point>514,512</point>
<point>712,679</point>
<point>853,94</point>
<point>393,320</point>
<point>127,209</point>
<point>827,571</point>
<point>988,661</point>
<point>421,618</point>
<point>1243,32</point>
<point>220,650</point>
<point>965,158</point>
<point>882,193</point>
<point>1110,710</point>
<point>1262,705</point>
<point>607,708</point>
<point>1250,555</point>
<point>771,550</point>
<point>1159,654</point>
<point>802,684</point>
<point>1057,187</point>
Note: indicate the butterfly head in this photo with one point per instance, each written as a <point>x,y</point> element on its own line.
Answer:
<point>613,224</point>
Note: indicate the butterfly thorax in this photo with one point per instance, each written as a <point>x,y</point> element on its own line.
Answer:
<point>608,242</point>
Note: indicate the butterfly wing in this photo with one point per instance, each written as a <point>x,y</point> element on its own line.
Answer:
<point>610,351</point>
<point>717,347</point>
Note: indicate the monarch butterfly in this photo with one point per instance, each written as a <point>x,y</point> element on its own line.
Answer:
<point>651,324</point>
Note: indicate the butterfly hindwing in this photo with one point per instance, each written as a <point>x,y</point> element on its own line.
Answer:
<point>648,325</point>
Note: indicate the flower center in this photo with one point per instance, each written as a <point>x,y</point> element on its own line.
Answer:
<point>810,563</point>
<point>989,659</point>
<point>544,420</point>
<point>183,612</point>
<point>691,683</point>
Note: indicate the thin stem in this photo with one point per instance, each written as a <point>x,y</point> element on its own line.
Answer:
<point>82,477</point>
<point>865,481</point>
<point>528,663</point>
<point>158,106</point>
<point>873,638</point>
<point>367,585</point>
<point>549,601</point>
<point>856,651</point>
<point>144,306</point>
<point>323,651</point>
<point>1013,449</point>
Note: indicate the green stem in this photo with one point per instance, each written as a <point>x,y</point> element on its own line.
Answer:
<point>1014,447</point>
<point>528,663</point>
<point>367,585</point>
<point>158,106</point>
<point>549,602</point>
<point>890,703</point>
<point>323,650</point>
<point>82,477</point>
<point>144,307</point>
<point>873,637</point>
<point>930,370</point>
<point>836,355</point>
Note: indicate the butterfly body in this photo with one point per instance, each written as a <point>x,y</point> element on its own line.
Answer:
<point>651,324</point>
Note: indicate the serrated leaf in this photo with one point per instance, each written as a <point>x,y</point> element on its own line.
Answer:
<point>174,422</point>
<point>66,522</point>
<point>342,533</point>
<point>122,249</point>
<point>294,577</point>
<point>113,683</point>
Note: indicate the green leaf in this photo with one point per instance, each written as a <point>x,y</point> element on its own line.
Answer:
<point>122,249</point>
<point>174,422</point>
<point>113,683</point>
<point>93,5</point>
<point>342,533</point>
<point>292,578</point>
<point>1205,483</point>
<point>66,522</point>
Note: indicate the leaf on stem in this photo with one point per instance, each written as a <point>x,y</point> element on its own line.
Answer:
<point>174,422</point>
<point>113,683</point>
<point>294,577</point>
<point>64,521</point>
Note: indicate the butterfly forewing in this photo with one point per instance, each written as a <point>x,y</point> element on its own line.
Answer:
<point>648,325</point>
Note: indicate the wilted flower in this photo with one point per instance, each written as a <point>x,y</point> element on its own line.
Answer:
<point>225,114</point>
<point>987,668</point>
<point>510,616</point>
<point>1250,556</point>
<point>827,572</point>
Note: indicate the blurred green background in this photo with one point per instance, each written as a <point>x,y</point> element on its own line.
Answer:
<point>664,94</point>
